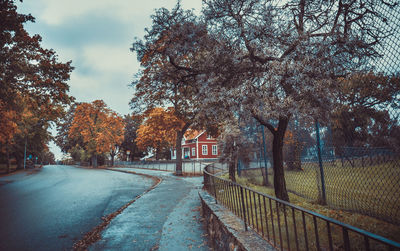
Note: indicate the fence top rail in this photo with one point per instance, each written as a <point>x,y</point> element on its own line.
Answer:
<point>202,161</point>
<point>323,217</point>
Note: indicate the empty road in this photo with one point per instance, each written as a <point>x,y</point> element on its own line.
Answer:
<point>55,207</point>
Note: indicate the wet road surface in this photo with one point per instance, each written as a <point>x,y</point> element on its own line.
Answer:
<point>55,207</point>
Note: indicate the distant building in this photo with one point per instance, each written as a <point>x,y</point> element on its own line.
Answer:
<point>198,145</point>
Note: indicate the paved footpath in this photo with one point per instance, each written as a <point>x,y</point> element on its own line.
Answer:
<point>166,218</point>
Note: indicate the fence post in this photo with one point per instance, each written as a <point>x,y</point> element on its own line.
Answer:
<point>244,208</point>
<point>321,169</point>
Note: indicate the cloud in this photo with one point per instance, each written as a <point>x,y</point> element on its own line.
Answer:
<point>58,12</point>
<point>96,35</point>
<point>110,59</point>
<point>108,86</point>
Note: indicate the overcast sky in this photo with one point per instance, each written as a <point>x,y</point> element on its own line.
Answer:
<point>96,35</point>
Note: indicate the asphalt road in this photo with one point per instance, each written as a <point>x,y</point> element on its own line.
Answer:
<point>53,208</point>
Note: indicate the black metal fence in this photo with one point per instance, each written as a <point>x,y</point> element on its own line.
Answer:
<point>287,226</point>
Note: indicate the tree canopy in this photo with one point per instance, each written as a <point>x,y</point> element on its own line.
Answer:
<point>33,86</point>
<point>172,48</point>
<point>287,56</point>
<point>100,128</point>
<point>362,117</point>
<point>132,123</point>
<point>158,130</point>
<point>265,59</point>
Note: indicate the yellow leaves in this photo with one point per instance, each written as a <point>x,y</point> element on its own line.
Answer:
<point>159,129</point>
<point>191,134</point>
<point>289,138</point>
<point>8,126</point>
<point>100,128</point>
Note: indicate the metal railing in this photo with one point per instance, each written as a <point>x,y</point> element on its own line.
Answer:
<point>188,167</point>
<point>287,226</point>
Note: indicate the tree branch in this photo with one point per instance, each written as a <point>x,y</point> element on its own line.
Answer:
<point>172,61</point>
<point>263,122</point>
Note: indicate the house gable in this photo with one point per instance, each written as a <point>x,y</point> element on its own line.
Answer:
<point>198,145</point>
<point>204,137</point>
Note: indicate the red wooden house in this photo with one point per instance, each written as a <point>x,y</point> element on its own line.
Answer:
<point>198,145</point>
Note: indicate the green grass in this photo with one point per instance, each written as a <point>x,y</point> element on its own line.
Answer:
<point>352,187</point>
<point>371,190</point>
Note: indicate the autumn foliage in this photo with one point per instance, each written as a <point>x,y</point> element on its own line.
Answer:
<point>158,131</point>
<point>8,126</point>
<point>33,89</point>
<point>101,128</point>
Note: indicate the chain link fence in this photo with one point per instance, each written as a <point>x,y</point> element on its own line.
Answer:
<point>360,179</point>
<point>352,160</point>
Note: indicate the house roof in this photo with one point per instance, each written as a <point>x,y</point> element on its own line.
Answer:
<point>193,134</point>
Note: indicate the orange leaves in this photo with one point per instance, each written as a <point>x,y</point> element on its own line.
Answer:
<point>8,126</point>
<point>159,129</point>
<point>145,59</point>
<point>100,128</point>
<point>289,138</point>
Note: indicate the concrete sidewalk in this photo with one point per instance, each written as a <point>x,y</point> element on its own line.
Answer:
<point>166,218</point>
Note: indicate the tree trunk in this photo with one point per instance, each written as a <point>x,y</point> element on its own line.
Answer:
<point>277,150</point>
<point>232,165</point>
<point>178,146</point>
<point>112,159</point>
<point>94,161</point>
<point>277,153</point>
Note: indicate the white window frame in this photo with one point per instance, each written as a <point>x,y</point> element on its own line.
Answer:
<point>193,151</point>
<point>204,150</point>
<point>214,150</point>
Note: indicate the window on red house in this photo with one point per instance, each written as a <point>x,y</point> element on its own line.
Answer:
<point>214,150</point>
<point>204,150</point>
<point>193,151</point>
